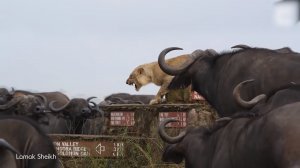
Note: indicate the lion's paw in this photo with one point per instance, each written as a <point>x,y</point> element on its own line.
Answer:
<point>154,101</point>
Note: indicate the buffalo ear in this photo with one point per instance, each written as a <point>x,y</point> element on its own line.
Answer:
<point>140,71</point>
<point>179,82</point>
<point>173,153</point>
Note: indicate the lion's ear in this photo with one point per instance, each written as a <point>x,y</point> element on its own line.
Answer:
<point>140,71</point>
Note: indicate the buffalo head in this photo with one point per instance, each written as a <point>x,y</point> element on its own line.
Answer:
<point>198,64</point>
<point>5,95</point>
<point>76,108</point>
<point>188,145</point>
<point>25,105</point>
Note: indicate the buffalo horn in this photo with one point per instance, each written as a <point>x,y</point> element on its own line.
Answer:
<point>6,145</point>
<point>96,107</point>
<point>52,108</point>
<point>241,46</point>
<point>43,98</point>
<point>90,98</point>
<point>11,103</point>
<point>165,137</point>
<point>166,68</point>
<point>12,92</point>
<point>89,101</point>
<point>243,103</point>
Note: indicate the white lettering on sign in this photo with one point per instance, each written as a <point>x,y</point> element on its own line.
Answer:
<point>122,118</point>
<point>69,148</point>
<point>118,149</point>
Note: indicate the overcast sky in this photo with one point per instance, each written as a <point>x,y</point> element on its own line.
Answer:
<point>89,47</point>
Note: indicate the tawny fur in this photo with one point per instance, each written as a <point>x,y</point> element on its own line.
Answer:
<point>151,73</point>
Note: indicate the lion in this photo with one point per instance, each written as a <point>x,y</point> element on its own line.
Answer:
<point>151,73</point>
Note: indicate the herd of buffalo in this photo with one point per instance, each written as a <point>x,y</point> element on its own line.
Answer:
<point>26,118</point>
<point>255,91</point>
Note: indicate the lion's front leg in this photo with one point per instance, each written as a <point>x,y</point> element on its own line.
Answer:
<point>162,91</point>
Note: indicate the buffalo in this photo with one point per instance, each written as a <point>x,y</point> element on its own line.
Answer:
<point>75,113</point>
<point>125,98</point>
<point>267,140</point>
<point>28,145</point>
<point>282,50</point>
<point>215,75</point>
<point>59,97</point>
<point>286,94</point>
<point>50,122</point>
<point>5,95</point>
<point>7,152</point>
<point>97,123</point>
<point>27,105</point>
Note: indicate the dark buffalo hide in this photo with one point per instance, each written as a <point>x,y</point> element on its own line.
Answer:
<point>286,94</point>
<point>247,142</point>
<point>125,98</point>
<point>214,76</point>
<point>7,153</point>
<point>27,139</point>
<point>26,105</point>
<point>5,96</point>
<point>75,113</point>
<point>51,122</point>
<point>268,141</point>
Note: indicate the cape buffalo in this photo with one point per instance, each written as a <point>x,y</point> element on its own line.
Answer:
<point>286,94</point>
<point>248,142</point>
<point>5,95</point>
<point>271,140</point>
<point>50,122</point>
<point>75,112</point>
<point>97,123</point>
<point>27,105</point>
<point>215,75</point>
<point>33,149</point>
<point>60,98</point>
<point>7,153</point>
<point>283,50</point>
<point>125,98</point>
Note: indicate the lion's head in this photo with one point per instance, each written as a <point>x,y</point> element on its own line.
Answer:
<point>139,77</point>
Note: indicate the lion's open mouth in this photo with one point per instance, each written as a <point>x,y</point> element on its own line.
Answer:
<point>136,86</point>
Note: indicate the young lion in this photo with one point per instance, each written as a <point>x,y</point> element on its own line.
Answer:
<point>151,73</point>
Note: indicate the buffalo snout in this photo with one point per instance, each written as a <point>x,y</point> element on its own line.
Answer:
<point>86,111</point>
<point>39,109</point>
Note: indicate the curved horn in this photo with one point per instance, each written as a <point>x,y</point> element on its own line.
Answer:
<point>96,107</point>
<point>90,98</point>
<point>12,92</point>
<point>165,137</point>
<point>89,101</point>
<point>43,98</point>
<point>52,108</point>
<point>11,103</point>
<point>166,68</point>
<point>6,145</point>
<point>241,46</point>
<point>243,103</point>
